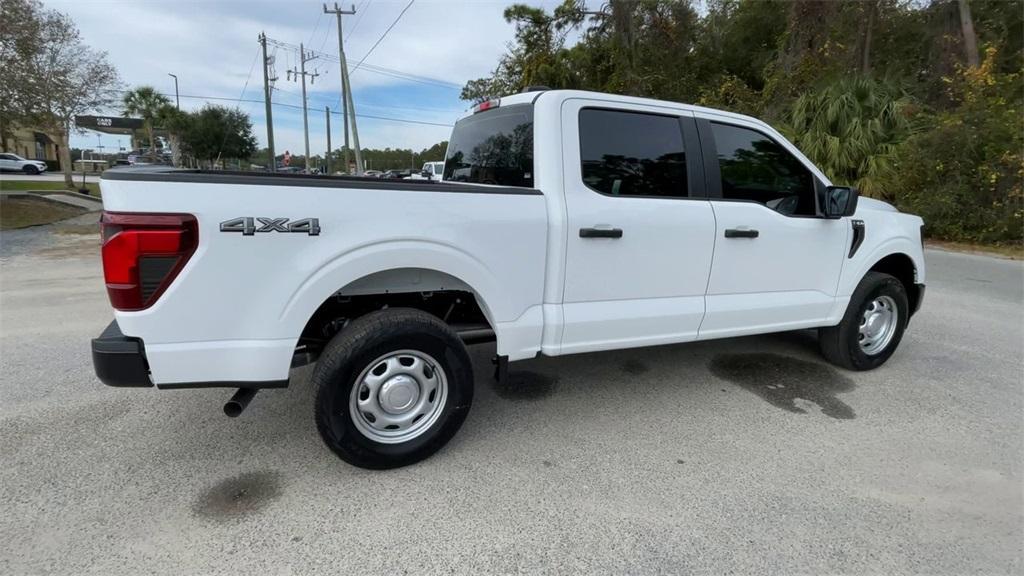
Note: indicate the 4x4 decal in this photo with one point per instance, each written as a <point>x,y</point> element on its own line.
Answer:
<point>247,225</point>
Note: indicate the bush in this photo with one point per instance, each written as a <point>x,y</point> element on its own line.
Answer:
<point>964,174</point>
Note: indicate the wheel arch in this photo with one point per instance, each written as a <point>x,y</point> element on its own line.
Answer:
<point>902,267</point>
<point>394,268</point>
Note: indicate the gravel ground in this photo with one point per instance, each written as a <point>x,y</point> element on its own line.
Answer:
<point>741,456</point>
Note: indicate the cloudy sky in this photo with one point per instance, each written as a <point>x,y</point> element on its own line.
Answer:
<point>212,47</point>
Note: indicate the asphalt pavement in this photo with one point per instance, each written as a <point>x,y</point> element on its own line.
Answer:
<point>747,456</point>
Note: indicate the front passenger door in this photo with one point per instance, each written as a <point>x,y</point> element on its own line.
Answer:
<point>777,262</point>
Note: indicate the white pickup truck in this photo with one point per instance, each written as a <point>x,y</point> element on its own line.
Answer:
<point>430,171</point>
<point>566,222</point>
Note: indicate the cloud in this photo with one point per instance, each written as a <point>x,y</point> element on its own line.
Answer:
<point>212,47</point>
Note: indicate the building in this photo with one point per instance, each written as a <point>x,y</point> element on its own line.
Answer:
<point>31,144</point>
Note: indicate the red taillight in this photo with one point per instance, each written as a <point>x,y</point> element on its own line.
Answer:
<point>143,253</point>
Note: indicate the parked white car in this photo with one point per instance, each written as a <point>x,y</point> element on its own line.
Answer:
<point>14,163</point>
<point>567,222</point>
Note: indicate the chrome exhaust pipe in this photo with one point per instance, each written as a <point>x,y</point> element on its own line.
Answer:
<point>234,407</point>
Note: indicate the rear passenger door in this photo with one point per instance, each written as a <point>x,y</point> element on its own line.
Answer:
<point>776,260</point>
<point>638,246</point>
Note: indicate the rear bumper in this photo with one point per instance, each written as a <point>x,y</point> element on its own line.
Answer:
<point>119,360</point>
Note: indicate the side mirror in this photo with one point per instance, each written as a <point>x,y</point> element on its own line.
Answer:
<point>426,174</point>
<point>840,201</point>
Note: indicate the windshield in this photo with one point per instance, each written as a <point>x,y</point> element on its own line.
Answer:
<point>493,147</point>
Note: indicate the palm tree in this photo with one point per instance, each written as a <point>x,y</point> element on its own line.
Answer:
<point>176,123</point>
<point>850,128</point>
<point>145,102</point>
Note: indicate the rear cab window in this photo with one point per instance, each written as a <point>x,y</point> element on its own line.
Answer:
<point>626,153</point>
<point>493,147</point>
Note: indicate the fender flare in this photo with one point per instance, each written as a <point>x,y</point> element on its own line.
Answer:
<point>368,259</point>
<point>898,245</point>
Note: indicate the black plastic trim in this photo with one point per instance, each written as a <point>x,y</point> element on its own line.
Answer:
<point>307,180</point>
<point>600,232</point>
<point>858,236</point>
<point>257,384</point>
<point>118,360</point>
<point>709,153</point>
<point>738,233</point>
<point>918,300</point>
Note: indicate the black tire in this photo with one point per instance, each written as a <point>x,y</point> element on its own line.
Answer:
<point>30,170</point>
<point>362,342</point>
<point>840,344</point>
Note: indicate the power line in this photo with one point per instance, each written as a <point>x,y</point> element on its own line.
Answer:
<point>298,107</point>
<point>239,101</point>
<point>382,36</point>
<point>361,10</point>
<point>376,69</point>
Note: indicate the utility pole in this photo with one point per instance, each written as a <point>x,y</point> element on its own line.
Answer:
<point>266,98</point>
<point>347,105</point>
<point>296,74</point>
<point>327,114</point>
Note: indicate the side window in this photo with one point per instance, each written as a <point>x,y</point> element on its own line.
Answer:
<point>754,167</point>
<point>632,154</point>
<point>5,157</point>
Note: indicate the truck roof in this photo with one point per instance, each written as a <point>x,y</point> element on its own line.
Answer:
<point>562,95</point>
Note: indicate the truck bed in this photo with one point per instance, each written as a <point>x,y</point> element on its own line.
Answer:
<point>238,307</point>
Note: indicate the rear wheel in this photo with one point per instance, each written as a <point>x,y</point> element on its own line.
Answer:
<point>31,170</point>
<point>392,388</point>
<point>872,327</point>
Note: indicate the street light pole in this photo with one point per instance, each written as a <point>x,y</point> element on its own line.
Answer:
<point>177,100</point>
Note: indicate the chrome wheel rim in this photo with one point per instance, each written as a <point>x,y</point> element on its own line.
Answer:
<point>398,396</point>
<point>877,325</point>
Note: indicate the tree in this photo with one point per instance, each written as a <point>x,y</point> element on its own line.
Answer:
<point>69,79</point>
<point>216,132</point>
<point>850,128</point>
<point>20,39</point>
<point>967,31</point>
<point>176,123</point>
<point>537,54</point>
<point>145,102</point>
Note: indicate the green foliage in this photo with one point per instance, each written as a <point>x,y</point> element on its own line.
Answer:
<point>850,129</point>
<point>394,158</point>
<point>964,174</point>
<point>145,102</point>
<point>876,92</point>
<point>217,133</point>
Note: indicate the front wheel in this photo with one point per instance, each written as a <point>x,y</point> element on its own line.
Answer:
<point>31,170</point>
<point>872,327</point>
<point>392,388</point>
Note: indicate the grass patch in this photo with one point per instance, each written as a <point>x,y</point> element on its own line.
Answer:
<point>1014,252</point>
<point>44,185</point>
<point>22,211</point>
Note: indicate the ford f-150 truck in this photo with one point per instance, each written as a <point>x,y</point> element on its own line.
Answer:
<point>566,222</point>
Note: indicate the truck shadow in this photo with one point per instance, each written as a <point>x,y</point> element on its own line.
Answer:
<point>785,371</point>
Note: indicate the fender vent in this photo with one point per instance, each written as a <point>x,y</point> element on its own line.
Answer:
<point>858,236</point>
